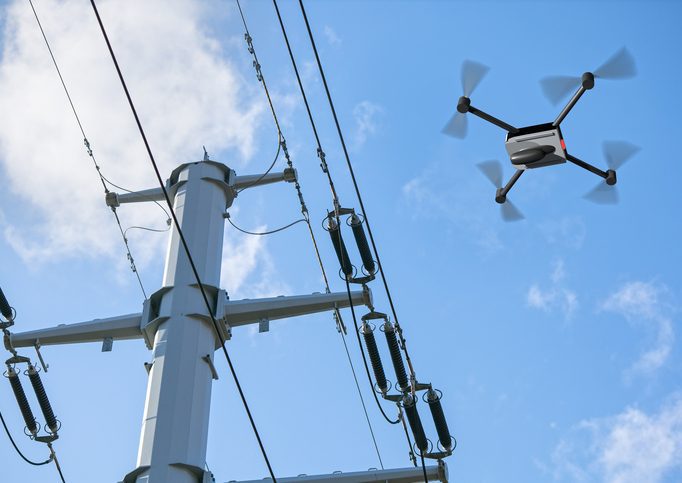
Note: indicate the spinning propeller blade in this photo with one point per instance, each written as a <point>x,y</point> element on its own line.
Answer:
<point>510,212</point>
<point>558,87</point>
<point>618,152</point>
<point>620,65</point>
<point>493,171</point>
<point>603,194</point>
<point>457,126</point>
<point>472,74</point>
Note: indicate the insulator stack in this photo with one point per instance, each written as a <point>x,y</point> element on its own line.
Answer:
<point>374,357</point>
<point>363,246</point>
<point>410,405</point>
<point>433,398</point>
<point>5,308</point>
<point>394,349</point>
<point>43,401</point>
<point>20,395</point>
<point>340,247</point>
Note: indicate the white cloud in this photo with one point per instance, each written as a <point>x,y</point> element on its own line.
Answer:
<point>630,447</point>
<point>555,295</point>
<point>640,303</point>
<point>332,36</point>
<point>366,116</point>
<point>186,93</point>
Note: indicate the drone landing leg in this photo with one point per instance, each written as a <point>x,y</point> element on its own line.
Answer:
<point>501,195</point>
<point>609,176</point>
<point>491,119</point>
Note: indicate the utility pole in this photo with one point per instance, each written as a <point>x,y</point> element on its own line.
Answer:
<point>175,325</point>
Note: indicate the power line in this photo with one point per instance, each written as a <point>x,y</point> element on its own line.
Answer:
<point>270,232</point>
<point>337,315</point>
<point>352,174</point>
<point>184,241</point>
<point>88,148</point>
<point>11,439</point>
<point>325,169</point>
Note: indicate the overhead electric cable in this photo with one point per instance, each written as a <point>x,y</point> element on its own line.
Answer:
<point>325,169</point>
<point>11,440</point>
<point>337,314</point>
<point>183,241</point>
<point>270,232</point>
<point>357,189</point>
<point>88,148</point>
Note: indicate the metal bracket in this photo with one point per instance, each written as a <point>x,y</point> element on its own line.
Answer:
<point>40,356</point>
<point>264,325</point>
<point>107,344</point>
<point>209,361</point>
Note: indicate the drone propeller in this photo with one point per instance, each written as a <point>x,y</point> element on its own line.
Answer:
<point>493,171</point>
<point>620,65</point>
<point>617,153</point>
<point>472,75</point>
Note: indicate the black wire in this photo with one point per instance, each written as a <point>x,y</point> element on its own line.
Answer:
<point>350,167</point>
<point>266,232</point>
<point>183,240</point>
<point>331,183</point>
<point>90,153</point>
<point>426,478</point>
<point>272,165</point>
<point>9,435</point>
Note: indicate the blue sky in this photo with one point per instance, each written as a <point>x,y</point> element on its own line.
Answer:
<point>554,339</point>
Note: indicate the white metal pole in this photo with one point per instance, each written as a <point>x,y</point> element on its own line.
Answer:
<point>176,414</point>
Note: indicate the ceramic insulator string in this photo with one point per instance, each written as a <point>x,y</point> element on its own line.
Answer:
<point>340,247</point>
<point>43,401</point>
<point>410,405</point>
<point>363,246</point>
<point>433,398</point>
<point>5,308</point>
<point>20,395</point>
<point>374,357</point>
<point>394,349</point>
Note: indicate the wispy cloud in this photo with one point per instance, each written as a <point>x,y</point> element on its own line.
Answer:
<point>630,447</point>
<point>439,193</point>
<point>332,36</point>
<point>553,296</point>
<point>186,92</point>
<point>367,117</point>
<point>640,303</point>
<point>568,232</point>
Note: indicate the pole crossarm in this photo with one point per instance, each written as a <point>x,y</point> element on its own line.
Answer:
<point>437,472</point>
<point>237,313</point>
<point>244,312</point>
<point>119,328</point>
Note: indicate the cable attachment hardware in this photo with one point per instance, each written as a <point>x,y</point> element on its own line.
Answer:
<point>40,356</point>
<point>323,160</point>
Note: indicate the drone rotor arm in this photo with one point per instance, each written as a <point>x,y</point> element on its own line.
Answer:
<point>493,120</point>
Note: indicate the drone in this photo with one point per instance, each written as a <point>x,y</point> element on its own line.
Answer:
<point>543,145</point>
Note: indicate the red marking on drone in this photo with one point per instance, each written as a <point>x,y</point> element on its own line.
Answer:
<point>563,145</point>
